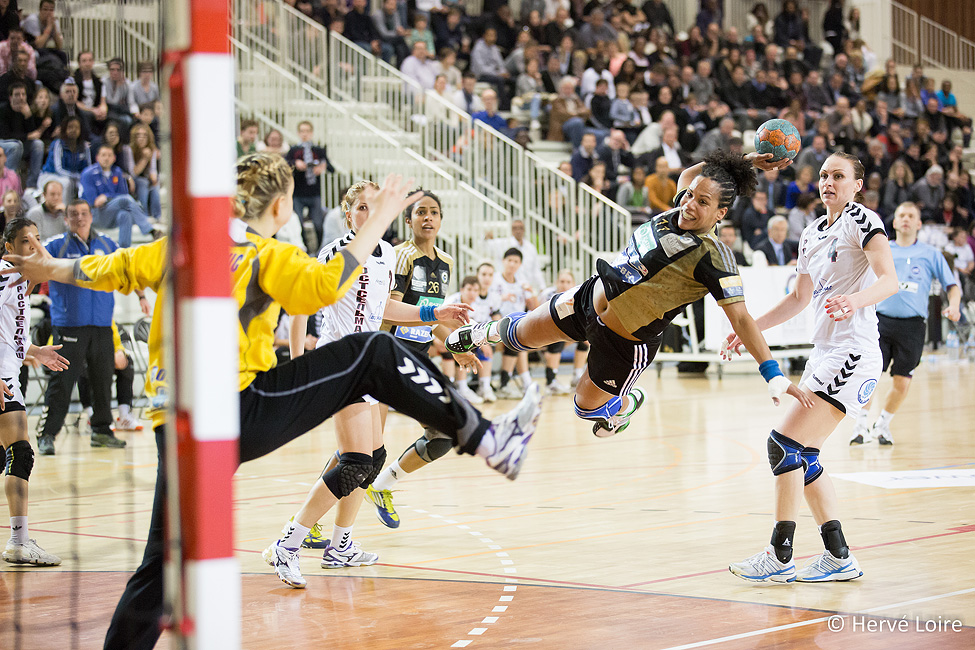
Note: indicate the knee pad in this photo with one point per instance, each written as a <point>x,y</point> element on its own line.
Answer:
<point>810,463</point>
<point>784,453</point>
<point>352,470</point>
<point>378,460</point>
<point>20,460</point>
<point>432,446</point>
<point>604,412</point>
<point>506,328</point>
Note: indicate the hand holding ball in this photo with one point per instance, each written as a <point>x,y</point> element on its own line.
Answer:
<point>779,138</point>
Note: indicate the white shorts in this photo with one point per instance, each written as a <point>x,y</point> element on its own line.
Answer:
<point>844,377</point>
<point>15,403</point>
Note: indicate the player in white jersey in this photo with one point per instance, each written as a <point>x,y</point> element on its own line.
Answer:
<point>15,347</point>
<point>553,352</point>
<point>467,295</point>
<point>845,268</point>
<point>512,295</point>
<point>486,307</point>
<point>359,426</point>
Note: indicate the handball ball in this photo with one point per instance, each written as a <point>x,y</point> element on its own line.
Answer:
<point>779,138</point>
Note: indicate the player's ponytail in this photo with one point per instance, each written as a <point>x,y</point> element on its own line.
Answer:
<point>261,178</point>
<point>732,173</point>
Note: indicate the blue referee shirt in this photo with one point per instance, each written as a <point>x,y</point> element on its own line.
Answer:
<point>916,266</point>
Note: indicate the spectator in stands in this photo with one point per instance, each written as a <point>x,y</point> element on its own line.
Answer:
<point>145,169</point>
<point>145,91</point>
<point>634,195</point>
<point>19,133</point>
<point>529,88</point>
<point>247,140</point>
<point>488,64</point>
<point>596,179</point>
<point>661,188</point>
<point>68,107</point>
<point>891,94</point>
<point>552,75</point>
<point>115,91</point>
<point>274,143</point>
<point>309,162</point>
<point>10,47</point>
<point>82,321</point>
<point>803,214</point>
<point>898,187</point>
<point>600,103</point>
<point>43,29</point>
<point>670,149</point>
<point>950,215</point>
<point>446,64</point>
<point>49,213</point>
<point>774,187</point>
<point>615,152</point>
<point>595,31</point>
<point>9,179</point>
<point>419,67</point>
<point>90,97</point>
<point>912,156</point>
<point>421,32</point>
<point>584,156</point>
<point>530,271</point>
<point>11,206</point>
<point>451,34</point>
<point>929,192</point>
<point>754,220</point>
<point>913,104</point>
<point>658,15</point>
<point>465,97</point>
<point>728,234</point>
<point>360,29</point>
<point>489,98</point>
<point>949,107</point>
<point>9,17</point>
<point>392,33</point>
<point>68,156</point>
<point>103,186</point>
<point>18,72</point>
<point>876,160</point>
<point>567,120</point>
<point>778,250</point>
<point>805,182</point>
<point>815,155</point>
<point>718,138</point>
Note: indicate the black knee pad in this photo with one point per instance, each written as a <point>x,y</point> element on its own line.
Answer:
<point>20,460</point>
<point>378,460</point>
<point>432,445</point>
<point>352,470</point>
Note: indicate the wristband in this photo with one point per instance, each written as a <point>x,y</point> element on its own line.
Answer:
<point>427,315</point>
<point>770,369</point>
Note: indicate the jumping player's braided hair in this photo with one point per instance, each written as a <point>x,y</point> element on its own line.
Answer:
<point>732,173</point>
<point>13,228</point>
<point>261,178</point>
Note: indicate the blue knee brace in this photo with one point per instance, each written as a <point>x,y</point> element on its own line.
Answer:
<point>604,412</point>
<point>810,461</point>
<point>784,453</point>
<point>506,328</point>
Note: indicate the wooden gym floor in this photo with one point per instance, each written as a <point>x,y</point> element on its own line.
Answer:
<point>620,542</point>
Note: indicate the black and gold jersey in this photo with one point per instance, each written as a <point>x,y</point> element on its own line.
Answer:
<point>419,280</point>
<point>662,270</point>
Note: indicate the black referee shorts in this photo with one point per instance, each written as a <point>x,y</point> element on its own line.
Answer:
<point>901,343</point>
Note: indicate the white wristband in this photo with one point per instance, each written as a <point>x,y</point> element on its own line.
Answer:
<point>778,385</point>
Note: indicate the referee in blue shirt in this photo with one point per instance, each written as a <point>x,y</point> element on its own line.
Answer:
<point>901,317</point>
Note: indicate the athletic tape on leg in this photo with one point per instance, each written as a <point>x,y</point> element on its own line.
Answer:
<point>603,413</point>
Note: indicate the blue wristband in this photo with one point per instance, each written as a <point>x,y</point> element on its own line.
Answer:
<point>770,369</point>
<point>426,313</point>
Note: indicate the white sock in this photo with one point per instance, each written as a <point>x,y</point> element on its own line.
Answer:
<point>885,418</point>
<point>526,379</point>
<point>863,417</point>
<point>89,411</point>
<point>124,410</point>
<point>18,530</point>
<point>292,535</point>
<point>487,445</point>
<point>577,372</point>
<point>389,476</point>
<point>341,537</point>
<point>484,379</point>
<point>494,332</point>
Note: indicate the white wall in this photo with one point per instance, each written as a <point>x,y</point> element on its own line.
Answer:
<point>875,26</point>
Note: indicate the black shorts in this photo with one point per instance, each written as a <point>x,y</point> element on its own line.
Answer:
<point>901,343</point>
<point>614,363</point>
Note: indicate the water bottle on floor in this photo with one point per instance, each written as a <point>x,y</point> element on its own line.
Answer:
<point>951,343</point>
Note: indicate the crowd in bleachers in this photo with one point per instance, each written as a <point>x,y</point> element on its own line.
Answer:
<point>68,132</point>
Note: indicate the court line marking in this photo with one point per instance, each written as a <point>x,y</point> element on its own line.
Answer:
<point>778,628</point>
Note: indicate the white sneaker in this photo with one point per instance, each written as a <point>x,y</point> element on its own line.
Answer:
<point>882,432</point>
<point>861,435</point>
<point>352,556</point>
<point>764,567</point>
<point>487,393</point>
<point>510,391</point>
<point>557,388</point>
<point>468,338</point>
<point>285,564</point>
<point>619,422</point>
<point>511,433</point>
<point>828,568</point>
<point>29,553</point>
<point>465,391</point>
<point>128,423</point>
<point>574,382</point>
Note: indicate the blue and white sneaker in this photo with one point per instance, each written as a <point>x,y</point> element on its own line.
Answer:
<point>285,563</point>
<point>764,567</point>
<point>511,432</point>
<point>619,422</point>
<point>828,568</point>
<point>383,500</point>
